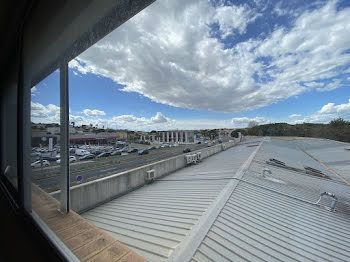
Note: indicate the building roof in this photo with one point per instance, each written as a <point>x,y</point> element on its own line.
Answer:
<point>92,137</point>
<point>225,209</point>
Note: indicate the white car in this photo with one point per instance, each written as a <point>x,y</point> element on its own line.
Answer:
<point>38,163</point>
<point>71,159</point>
<point>35,154</point>
<point>82,152</point>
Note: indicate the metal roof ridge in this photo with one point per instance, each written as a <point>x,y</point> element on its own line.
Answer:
<point>187,248</point>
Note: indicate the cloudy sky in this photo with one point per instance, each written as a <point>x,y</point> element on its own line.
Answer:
<point>192,64</point>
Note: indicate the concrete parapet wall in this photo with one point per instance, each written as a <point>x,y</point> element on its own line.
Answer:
<point>91,194</point>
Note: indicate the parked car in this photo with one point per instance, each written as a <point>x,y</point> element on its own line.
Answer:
<point>97,152</point>
<point>116,153</point>
<point>38,163</point>
<point>71,159</point>
<point>187,150</point>
<point>35,154</point>
<point>104,154</point>
<point>143,152</point>
<point>86,157</point>
<point>120,144</point>
<point>199,142</point>
<point>210,144</point>
<point>81,152</point>
<point>49,158</point>
<point>134,150</point>
<point>125,149</point>
<point>151,148</point>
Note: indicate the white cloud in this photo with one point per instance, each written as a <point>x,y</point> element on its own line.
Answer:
<point>279,11</point>
<point>50,114</point>
<point>316,85</point>
<point>294,116</point>
<point>331,108</point>
<point>329,112</point>
<point>336,83</point>
<point>33,91</point>
<point>75,64</point>
<point>159,118</point>
<point>167,53</point>
<point>234,18</point>
<point>93,112</point>
<point>244,121</point>
<point>159,121</point>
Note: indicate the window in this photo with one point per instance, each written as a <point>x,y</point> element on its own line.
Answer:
<point>223,124</point>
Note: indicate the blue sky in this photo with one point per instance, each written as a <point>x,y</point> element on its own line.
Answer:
<point>194,64</point>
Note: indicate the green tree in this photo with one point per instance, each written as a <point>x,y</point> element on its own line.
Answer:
<point>339,122</point>
<point>234,133</point>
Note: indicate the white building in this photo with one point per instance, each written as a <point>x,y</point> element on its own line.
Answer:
<point>56,130</point>
<point>175,136</point>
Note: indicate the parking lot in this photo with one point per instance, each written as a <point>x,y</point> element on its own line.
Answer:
<point>48,177</point>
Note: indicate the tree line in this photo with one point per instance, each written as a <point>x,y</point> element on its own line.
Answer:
<point>338,129</point>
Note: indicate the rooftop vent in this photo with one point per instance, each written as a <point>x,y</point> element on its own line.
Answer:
<point>334,200</point>
<point>313,171</point>
<point>188,159</point>
<point>199,156</point>
<point>151,175</point>
<point>194,158</point>
<point>266,174</point>
<point>277,162</point>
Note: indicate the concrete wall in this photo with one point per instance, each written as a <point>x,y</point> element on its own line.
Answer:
<point>91,194</point>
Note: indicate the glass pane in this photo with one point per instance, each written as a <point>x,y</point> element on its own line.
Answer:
<point>45,118</point>
<point>184,77</point>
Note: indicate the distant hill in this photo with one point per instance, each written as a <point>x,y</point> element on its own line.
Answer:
<point>338,129</point>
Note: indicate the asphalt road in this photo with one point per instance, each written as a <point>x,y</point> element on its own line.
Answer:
<point>48,179</point>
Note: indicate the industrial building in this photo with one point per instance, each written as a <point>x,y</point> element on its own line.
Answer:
<point>236,207</point>
<point>263,199</point>
<point>175,136</point>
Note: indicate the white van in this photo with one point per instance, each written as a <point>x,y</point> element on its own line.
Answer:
<point>81,152</point>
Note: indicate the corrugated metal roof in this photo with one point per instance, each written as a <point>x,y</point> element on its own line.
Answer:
<point>331,153</point>
<point>260,225</point>
<point>153,220</point>
<point>266,218</point>
<point>257,224</point>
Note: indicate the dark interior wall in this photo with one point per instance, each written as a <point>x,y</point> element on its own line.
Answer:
<point>20,240</point>
<point>8,120</point>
